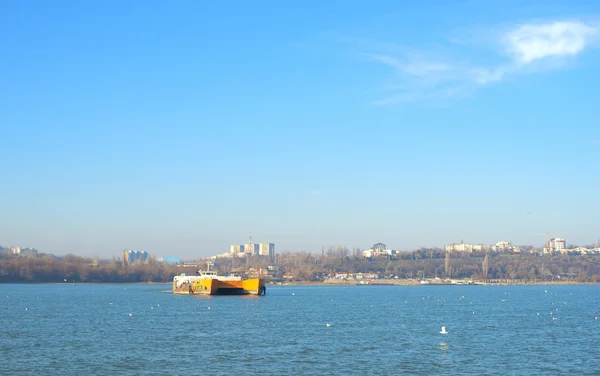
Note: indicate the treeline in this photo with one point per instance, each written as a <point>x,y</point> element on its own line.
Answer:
<point>48,268</point>
<point>304,266</point>
<point>429,263</point>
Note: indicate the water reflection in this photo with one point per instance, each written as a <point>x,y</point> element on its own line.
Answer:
<point>444,346</point>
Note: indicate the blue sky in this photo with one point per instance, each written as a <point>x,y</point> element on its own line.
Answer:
<point>181,128</point>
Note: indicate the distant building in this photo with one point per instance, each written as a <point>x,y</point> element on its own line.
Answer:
<point>462,247</point>
<point>251,249</point>
<point>171,260</point>
<point>267,249</point>
<point>501,246</point>
<point>21,251</point>
<point>270,271</point>
<point>129,256</point>
<point>558,244</point>
<point>577,250</point>
<point>377,250</point>
<point>223,255</point>
<point>236,248</point>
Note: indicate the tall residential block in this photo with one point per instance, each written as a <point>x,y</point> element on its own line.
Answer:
<point>267,249</point>
<point>236,248</point>
<point>558,244</point>
<point>129,256</point>
<point>251,249</point>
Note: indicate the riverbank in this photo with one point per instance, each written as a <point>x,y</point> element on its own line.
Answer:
<point>428,283</point>
<point>332,282</point>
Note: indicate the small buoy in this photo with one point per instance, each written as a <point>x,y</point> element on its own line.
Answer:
<point>443,330</point>
<point>27,309</point>
<point>131,314</point>
<point>208,307</point>
<point>293,294</point>
<point>328,325</point>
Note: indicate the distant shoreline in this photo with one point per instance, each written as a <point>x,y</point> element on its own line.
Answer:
<point>417,283</point>
<point>336,283</point>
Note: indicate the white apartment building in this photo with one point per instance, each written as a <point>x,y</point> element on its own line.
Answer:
<point>558,244</point>
<point>266,249</point>
<point>250,249</point>
<point>236,248</point>
<point>378,249</point>
<point>460,247</point>
<point>466,247</point>
<point>503,245</point>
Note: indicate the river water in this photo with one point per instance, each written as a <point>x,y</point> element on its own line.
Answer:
<point>373,330</point>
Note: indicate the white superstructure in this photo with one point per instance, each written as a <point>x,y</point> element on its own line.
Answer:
<point>183,278</point>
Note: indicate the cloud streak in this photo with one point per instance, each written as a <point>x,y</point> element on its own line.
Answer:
<point>528,43</point>
<point>521,49</point>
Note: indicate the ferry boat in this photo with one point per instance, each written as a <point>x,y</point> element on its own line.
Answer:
<point>208,282</point>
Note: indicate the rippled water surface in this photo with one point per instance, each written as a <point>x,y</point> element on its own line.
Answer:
<point>374,330</point>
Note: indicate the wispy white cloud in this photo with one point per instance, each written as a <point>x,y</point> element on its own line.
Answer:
<point>517,50</point>
<point>422,69</point>
<point>528,43</point>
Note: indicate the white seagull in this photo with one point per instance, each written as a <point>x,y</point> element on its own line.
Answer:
<point>443,330</point>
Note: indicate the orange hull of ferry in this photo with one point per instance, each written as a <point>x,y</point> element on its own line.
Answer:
<point>213,286</point>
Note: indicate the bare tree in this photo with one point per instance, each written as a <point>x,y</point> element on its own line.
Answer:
<point>485,266</point>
